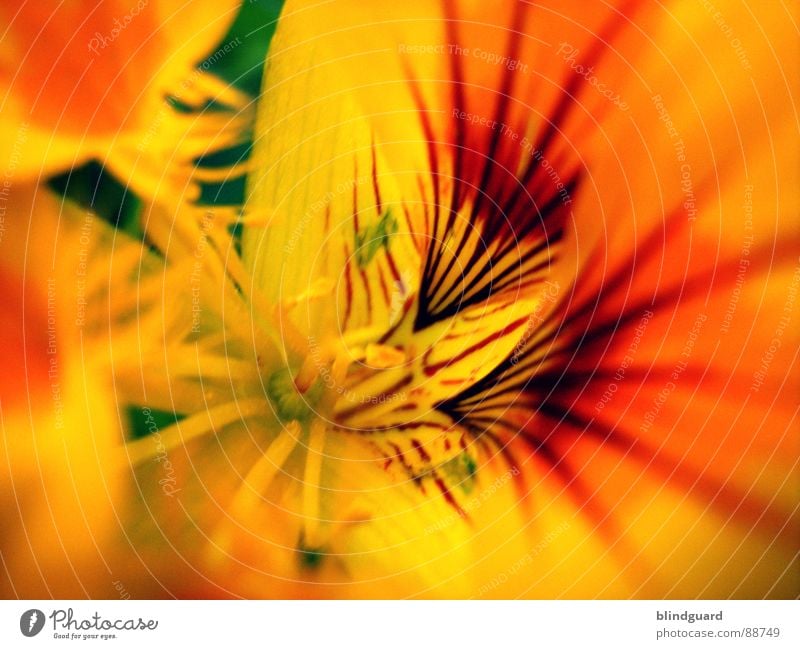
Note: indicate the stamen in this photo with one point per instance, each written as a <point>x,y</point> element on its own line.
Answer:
<point>250,493</point>
<point>311,485</point>
<point>286,333</point>
<point>357,514</point>
<point>338,376</point>
<point>263,472</point>
<point>220,174</point>
<point>307,375</point>
<point>202,423</point>
<point>320,287</point>
<point>220,91</point>
<point>209,367</point>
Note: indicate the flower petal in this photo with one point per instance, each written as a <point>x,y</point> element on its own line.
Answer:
<point>81,82</point>
<point>59,482</point>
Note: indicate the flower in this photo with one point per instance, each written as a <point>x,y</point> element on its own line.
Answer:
<point>107,82</point>
<point>564,403</point>
<point>60,477</point>
<point>83,82</point>
<point>507,312</point>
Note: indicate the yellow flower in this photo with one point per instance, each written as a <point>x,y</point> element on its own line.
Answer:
<point>476,338</point>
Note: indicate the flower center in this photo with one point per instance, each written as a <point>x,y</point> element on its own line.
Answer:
<point>291,401</point>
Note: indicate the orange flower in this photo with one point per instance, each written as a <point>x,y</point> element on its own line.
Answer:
<point>90,80</point>
<point>508,313</point>
<point>488,335</point>
<point>60,478</point>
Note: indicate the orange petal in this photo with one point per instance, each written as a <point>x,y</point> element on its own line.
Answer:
<point>76,76</point>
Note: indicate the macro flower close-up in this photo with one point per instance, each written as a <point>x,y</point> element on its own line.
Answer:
<point>323,299</point>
